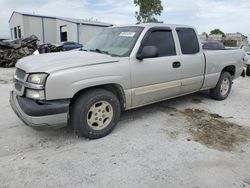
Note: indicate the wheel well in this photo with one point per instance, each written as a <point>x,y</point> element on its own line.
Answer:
<point>114,88</point>
<point>230,69</point>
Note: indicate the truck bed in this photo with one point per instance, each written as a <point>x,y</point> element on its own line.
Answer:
<point>216,60</point>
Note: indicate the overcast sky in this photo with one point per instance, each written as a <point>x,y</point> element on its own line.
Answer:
<point>205,15</point>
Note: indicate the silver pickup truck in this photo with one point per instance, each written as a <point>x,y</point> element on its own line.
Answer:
<point>119,69</point>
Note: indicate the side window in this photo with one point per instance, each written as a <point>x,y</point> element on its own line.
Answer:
<point>206,46</point>
<point>221,46</point>
<point>214,46</point>
<point>164,41</point>
<point>188,41</point>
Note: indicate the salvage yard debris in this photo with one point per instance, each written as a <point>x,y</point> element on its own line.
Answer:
<point>12,51</point>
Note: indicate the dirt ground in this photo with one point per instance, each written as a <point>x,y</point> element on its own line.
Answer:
<point>190,142</point>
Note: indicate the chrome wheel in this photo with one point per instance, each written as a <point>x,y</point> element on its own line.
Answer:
<point>225,86</point>
<point>100,115</point>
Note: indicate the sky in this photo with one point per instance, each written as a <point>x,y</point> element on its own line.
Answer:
<point>205,15</point>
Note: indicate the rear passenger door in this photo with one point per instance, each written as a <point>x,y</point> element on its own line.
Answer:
<point>155,79</point>
<point>192,61</point>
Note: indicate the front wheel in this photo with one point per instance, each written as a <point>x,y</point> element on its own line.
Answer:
<point>95,113</point>
<point>248,70</point>
<point>223,87</point>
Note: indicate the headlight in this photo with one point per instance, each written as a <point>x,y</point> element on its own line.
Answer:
<point>35,94</point>
<point>38,79</point>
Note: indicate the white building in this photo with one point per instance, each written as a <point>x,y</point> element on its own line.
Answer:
<point>215,37</point>
<point>53,29</point>
<point>238,38</point>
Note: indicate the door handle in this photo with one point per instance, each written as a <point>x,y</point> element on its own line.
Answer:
<point>176,64</point>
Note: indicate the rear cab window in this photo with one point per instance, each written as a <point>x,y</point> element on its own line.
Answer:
<point>188,41</point>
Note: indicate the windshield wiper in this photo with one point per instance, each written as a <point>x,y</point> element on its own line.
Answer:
<point>99,51</point>
<point>83,50</point>
<point>103,52</point>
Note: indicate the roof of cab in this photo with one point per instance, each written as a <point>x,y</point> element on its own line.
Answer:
<point>150,25</point>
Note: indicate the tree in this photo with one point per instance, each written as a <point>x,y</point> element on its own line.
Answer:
<point>148,9</point>
<point>217,32</point>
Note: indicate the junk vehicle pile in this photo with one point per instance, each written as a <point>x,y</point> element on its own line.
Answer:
<point>12,51</point>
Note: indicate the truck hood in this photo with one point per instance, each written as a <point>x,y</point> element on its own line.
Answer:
<point>62,60</point>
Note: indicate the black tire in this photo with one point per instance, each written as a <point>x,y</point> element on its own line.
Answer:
<point>80,113</point>
<point>216,93</point>
<point>248,70</point>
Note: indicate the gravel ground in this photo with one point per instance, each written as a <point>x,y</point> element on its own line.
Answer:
<point>191,141</point>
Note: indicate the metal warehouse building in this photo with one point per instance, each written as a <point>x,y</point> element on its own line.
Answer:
<point>53,29</point>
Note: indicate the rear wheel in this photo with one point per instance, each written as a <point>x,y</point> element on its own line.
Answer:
<point>95,113</point>
<point>223,87</point>
<point>248,70</point>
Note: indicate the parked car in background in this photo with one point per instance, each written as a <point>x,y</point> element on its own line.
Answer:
<point>247,51</point>
<point>119,69</point>
<point>71,46</point>
<point>49,48</point>
<point>212,45</point>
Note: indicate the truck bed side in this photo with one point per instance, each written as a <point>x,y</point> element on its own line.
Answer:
<point>217,61</point>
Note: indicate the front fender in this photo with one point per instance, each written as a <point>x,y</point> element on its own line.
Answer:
<point>66,83</point>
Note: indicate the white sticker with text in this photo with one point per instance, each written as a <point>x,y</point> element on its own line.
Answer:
<point>127,34</point>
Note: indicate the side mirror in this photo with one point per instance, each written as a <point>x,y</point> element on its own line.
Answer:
<point>148,52</point>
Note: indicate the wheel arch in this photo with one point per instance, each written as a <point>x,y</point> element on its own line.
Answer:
<point>230,68</point>
<point>116,89</point>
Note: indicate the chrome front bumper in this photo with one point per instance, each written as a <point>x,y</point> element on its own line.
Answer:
<point>55,120</point>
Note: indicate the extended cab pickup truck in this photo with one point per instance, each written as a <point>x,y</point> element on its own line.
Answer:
<point>119,69</point>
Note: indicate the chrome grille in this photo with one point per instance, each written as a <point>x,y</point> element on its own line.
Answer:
<point>20,73</point>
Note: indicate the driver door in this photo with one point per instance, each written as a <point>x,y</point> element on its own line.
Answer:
<point>158,78</point>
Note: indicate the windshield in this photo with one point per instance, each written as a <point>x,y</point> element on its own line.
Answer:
<point>117,41</point>
<point>246,48</point>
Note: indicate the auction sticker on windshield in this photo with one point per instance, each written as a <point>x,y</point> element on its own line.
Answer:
<point>127,34</point>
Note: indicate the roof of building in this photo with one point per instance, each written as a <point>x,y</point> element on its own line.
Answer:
<point>72,20</point>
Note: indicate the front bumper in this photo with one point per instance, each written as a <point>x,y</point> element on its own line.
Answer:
<point>33,114</point>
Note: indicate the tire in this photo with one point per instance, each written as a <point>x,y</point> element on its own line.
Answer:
<point>248,70</point>
<point>223,87</point>
<point>95,113</point>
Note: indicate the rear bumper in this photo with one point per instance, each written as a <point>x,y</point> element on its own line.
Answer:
<point>39,115</point>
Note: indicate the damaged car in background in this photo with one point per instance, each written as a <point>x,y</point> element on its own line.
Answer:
<point>119,69</point>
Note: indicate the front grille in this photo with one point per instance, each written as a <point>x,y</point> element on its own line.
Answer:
<point>20,73</point>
